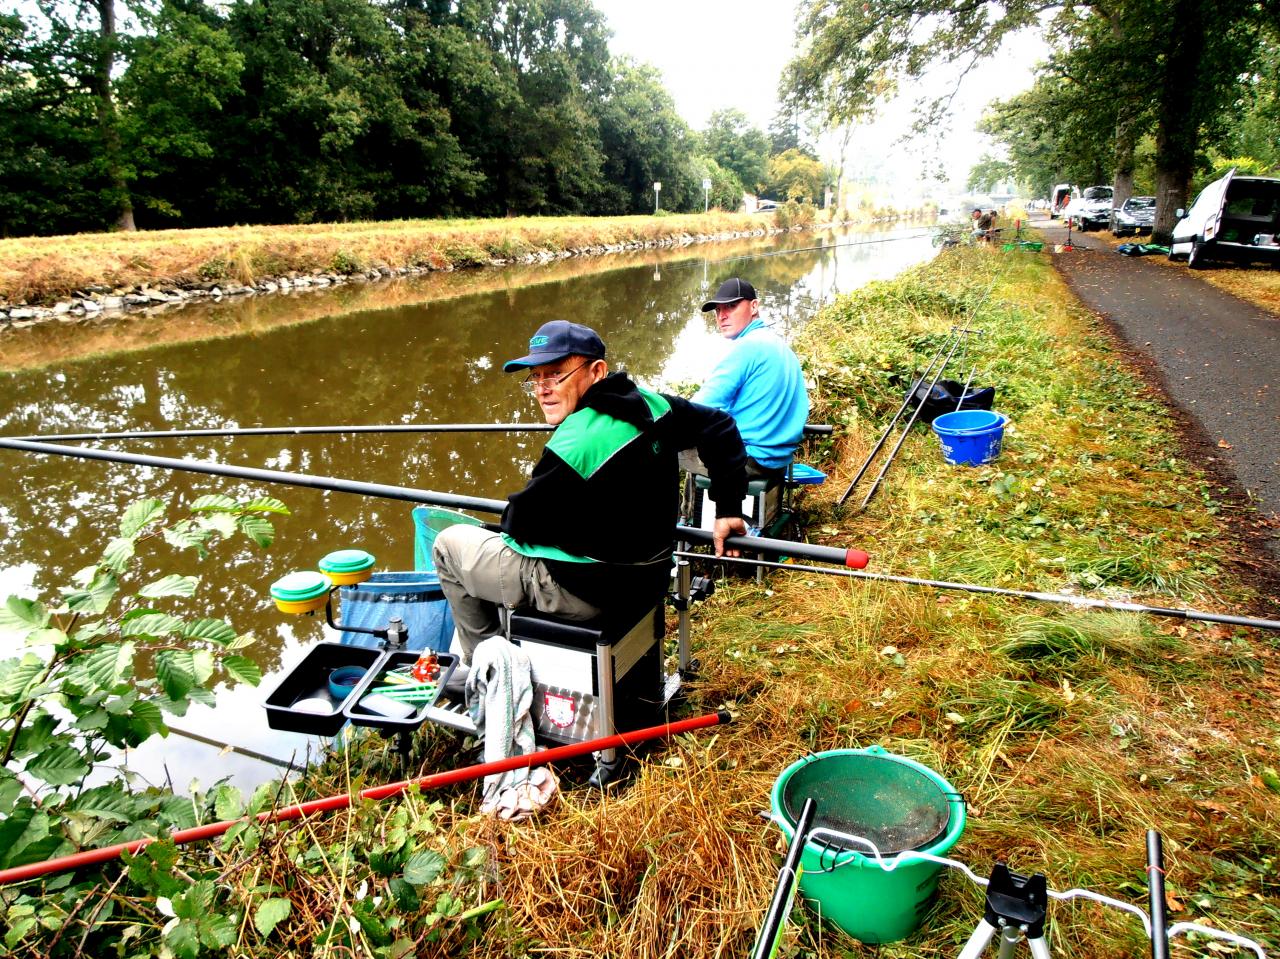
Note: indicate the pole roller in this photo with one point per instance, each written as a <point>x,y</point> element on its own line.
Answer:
<point>90,857</point>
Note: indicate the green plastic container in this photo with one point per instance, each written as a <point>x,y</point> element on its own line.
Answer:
<point>301,592</point>
<point>901,805</point>
<point>347,566</point>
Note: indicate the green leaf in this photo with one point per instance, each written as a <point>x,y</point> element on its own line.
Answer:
<point>265,504</point>
<point>202,664</point>
<point>104,802</point>
<point>210,630</point>
<point>117,554</point>
<point>96,597</point>
<point>423,868</point>
<point>20,615</point>
<point>214,501</point>
<point>176,672</point>
<point>227,802</point>
<point>218,931</point>
<point>25,826</point>
<point>149,715</point>
<point>48,637</point>
<point>243,641</point>
<point>183,940</point>
<point>139,514</point>
<point>58,766</point>
<point>171,585</point>
<point>151,624</point>
<point>270,914</point>
<point>186,535</point>
<point>108,665</point>
<point>37,734</point>
<point>17,676</point>
<point>10,790</point>
<point>258,529</point>
<point>221,523</point>
<point>242,669</point>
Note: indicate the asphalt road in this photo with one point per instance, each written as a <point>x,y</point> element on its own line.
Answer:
<point>1217,357</point>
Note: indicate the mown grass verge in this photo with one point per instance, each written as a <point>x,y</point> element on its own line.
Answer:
<point>1068,732</point>
<point>41,269</point>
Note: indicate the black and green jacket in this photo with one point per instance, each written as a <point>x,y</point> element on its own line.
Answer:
<point>602,504</point>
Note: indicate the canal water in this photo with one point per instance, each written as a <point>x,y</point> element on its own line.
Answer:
<point>410,351</point>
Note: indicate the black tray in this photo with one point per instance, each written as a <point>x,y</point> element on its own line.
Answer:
<point>359,716</point>
<point>310,679</point>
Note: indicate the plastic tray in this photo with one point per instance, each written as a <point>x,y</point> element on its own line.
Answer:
<point>359,716</point>
<point>310,680</point>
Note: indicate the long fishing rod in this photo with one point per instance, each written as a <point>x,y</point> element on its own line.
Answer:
<point>911,421</point>
<point>1079,602</point>
<point>829,246</point>
<point>90,857</point>
<point>852,558</point>
<point>906,401</point>
<point>810,429</point>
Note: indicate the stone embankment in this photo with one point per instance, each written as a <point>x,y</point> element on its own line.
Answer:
<point>99,301</point>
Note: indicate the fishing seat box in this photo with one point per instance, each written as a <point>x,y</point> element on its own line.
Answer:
<point>593,678</point>
<point>761,507</point>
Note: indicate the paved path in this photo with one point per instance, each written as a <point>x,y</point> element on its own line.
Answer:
<point>1217,357</point>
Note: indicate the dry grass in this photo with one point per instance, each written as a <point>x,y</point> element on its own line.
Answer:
<point>40,269</point>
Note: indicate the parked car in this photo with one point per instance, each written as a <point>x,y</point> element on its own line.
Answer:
<point>1091,210</point>
<point>1136,215</point>
<point>1062,194</point>
<point>1233,218</point>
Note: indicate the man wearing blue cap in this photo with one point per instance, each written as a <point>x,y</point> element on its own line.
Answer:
<point>594,526</point>
<point>759,383</point>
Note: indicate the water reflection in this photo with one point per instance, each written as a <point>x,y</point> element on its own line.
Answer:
<point>434,361</point>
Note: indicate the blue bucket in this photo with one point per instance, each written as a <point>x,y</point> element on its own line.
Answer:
<point>970,437</point>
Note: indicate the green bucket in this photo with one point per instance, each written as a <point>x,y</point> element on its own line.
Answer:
<point>901,806</point>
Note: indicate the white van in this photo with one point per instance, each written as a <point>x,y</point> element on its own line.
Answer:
<point>1062,195</point>
<point>1235,217</point>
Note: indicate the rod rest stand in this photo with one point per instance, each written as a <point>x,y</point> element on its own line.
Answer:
<point>1016,900</point>
<point>700,587</point>
<point>395,635</point>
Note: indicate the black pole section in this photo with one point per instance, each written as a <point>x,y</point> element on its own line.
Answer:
<point>823,554</point>
<point>428,497</point>
<point>1080,602</point>
<point>782,892</point>
<point>852,558</point>
<point>810,429</point>
<point>1155,894</point>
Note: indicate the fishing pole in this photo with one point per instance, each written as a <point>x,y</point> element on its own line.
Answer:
<point>906,430</point>
<point>853,558</point>
<point>91,857</point>
<point>810,429</point>
<point>1079,602</point>
<point>783,892</point>
<point>906,401</point>
<point>829,246</point>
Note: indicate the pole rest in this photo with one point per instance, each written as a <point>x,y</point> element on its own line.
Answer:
<point>1016,900</point>
<point>700,587</point>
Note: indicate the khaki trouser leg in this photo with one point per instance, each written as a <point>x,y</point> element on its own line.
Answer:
<point>479,574</point>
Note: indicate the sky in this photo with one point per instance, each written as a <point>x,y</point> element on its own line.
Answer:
<point>715,54</point>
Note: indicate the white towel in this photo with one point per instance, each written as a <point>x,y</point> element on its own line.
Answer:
<point>499,693</point>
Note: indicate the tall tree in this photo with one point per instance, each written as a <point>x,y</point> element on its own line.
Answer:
<point>736,145</point>
<point>1198,48</point>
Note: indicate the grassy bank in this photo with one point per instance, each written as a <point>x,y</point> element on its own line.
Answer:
<point>1068,732</point>
<point>42,269</point>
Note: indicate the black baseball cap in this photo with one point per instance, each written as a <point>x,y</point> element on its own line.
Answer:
<point>556,340</point>
<point>731,291</point>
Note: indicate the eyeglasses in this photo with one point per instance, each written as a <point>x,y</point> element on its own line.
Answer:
<point>532,384</point>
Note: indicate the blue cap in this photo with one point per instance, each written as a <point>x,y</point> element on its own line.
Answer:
<point>556,340</point>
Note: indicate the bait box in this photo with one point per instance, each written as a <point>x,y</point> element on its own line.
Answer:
<point>358,715</point>
<point>309,680</point>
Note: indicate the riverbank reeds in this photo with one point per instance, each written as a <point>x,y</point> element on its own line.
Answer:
<point>1068,732</point>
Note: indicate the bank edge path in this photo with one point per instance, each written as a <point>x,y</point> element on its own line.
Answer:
<point>1217,356</point>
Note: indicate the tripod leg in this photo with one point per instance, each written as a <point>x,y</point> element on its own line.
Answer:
<point>1039,948</point>
<point>1010,936</point>
<point>982,934</point>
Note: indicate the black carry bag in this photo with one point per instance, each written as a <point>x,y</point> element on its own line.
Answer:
<point>944,397</point>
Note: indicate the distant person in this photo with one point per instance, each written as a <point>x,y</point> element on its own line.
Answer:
<point>759,383</point>
<point>984,224</point>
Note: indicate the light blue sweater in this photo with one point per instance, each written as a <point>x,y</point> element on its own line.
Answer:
<point>761,386</point>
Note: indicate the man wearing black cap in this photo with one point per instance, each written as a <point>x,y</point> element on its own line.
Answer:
<point>595,523</point>
<point>759,383</point>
